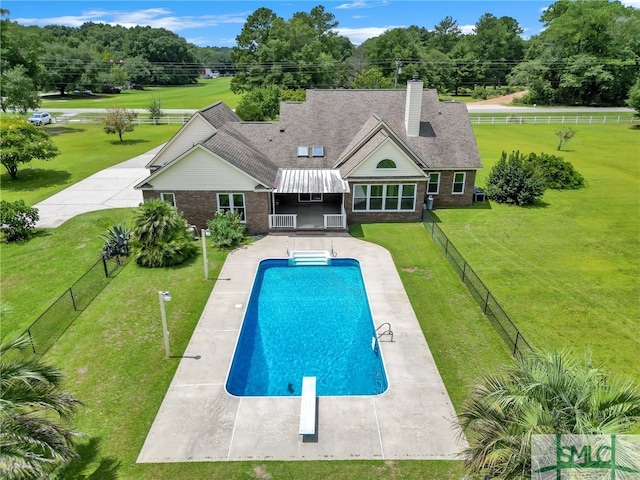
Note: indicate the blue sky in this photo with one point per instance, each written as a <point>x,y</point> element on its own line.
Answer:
<point>217,22</point>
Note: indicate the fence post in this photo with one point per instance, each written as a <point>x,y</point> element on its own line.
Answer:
<point>446,247</point>
<point>33,347</point>
<point>464,269</point>
<point>515,345</point>
<point>104,263</point>
<point>433,227</point>
<point>486,303</point>
<point>73,300</point>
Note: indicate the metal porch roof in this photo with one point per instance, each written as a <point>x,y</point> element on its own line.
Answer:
<point>310,180</point>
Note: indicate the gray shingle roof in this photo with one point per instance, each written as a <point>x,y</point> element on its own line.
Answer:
<point>227,144</point>
<point>339,120</point>
<point>219,114</point>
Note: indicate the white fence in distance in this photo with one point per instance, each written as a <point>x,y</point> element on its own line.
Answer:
<point>555,119</point>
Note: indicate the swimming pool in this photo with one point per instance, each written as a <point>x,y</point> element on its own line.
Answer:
<point>307,321</point>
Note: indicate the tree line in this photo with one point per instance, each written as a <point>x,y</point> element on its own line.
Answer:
<point>587,54</point>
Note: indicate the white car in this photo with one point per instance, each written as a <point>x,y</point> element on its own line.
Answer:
<point>41,118</point>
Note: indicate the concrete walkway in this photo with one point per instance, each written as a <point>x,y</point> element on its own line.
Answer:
<point>199,421</point>
<point>109,188</point>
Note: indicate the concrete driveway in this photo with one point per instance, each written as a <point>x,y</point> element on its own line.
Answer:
<point>109,188</point>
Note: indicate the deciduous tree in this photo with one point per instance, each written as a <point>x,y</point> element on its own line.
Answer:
<point>119,120</point>
<point>21,142</point>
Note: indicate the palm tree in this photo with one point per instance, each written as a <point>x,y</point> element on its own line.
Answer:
<point>541,393</point>
<point>160,236</point>
<point>32,444</point>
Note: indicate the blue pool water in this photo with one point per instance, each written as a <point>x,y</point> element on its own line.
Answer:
<point>307,321</point>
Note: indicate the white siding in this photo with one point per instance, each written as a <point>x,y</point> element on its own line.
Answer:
<point>202,170</point>
<point>195,131</point>
<point>405,167</point>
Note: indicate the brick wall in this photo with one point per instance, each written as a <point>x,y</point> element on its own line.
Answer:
<point>379,217</point>
<point>200,206</point>
<point>446,199</point>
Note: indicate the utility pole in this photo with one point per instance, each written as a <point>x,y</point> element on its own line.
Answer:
<point>398,72</point>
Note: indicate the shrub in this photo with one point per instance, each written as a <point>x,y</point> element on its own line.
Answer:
<point>479,92</point>
<point>514,180</point>
<point>116,242</point>
<point>556,173</point>
<point>17,220</point>
<point>226,229</point>
<point>160,236</point>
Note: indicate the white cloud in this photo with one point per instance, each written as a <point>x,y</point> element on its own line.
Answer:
<point>467,29</point>
<point>152,17</point>
<point>631,3</point>
<point>362,4</point>
<point>359,35</point>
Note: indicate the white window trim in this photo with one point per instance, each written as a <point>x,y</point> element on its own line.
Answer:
<point>453,183</point>
<point>173,198</point>
<point>384,197</point>
<point>437,184</point>
<point>232,207</point>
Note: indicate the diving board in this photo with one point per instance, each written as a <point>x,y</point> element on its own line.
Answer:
<point>308,406</point>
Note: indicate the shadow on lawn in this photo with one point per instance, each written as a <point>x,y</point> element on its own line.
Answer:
<point>102,468</point>
<point>31,179</point>
<point>131,141</point>
<point>59,130</point>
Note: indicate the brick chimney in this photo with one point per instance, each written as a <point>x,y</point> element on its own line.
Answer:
<point>413,106</point>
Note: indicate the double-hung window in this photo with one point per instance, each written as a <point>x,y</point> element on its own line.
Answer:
<point>433,188</point>
<point>458,183</point>
<point>233,202</point>
<point>387,197</point>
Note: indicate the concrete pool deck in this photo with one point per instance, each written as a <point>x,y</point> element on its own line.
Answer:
<point>199,421</point>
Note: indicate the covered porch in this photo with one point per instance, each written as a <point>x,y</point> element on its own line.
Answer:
<point>308,199</point>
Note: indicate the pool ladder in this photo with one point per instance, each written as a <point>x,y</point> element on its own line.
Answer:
<point>388,331</point>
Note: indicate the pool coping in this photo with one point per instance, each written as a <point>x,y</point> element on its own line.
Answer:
<point>200,421</point>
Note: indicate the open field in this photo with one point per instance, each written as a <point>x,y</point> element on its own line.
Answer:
<point>567,269</point>
<point>192,97</point>
<point>84,150</point>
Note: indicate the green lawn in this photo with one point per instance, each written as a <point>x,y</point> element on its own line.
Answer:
<point>567,269</point>
<point>190,97</point>
<point>84,150</point>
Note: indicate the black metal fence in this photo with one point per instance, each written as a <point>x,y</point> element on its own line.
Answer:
<point>490,306</point>
<point>50,326</point>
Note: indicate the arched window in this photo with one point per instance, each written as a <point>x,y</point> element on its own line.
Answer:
<point>386,163</point>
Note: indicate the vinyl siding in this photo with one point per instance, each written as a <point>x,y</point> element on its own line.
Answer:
<point>195,131</point>
<point>405,166</point>
<point>202,170</point>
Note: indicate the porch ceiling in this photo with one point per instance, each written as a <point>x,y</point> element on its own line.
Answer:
<point>310,180</point>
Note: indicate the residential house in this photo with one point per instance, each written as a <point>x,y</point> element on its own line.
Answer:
<point>341,156</point>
